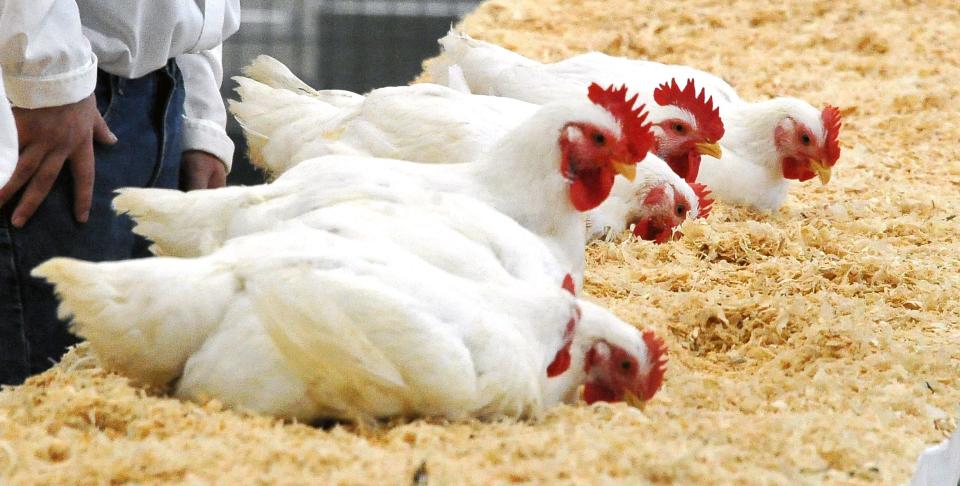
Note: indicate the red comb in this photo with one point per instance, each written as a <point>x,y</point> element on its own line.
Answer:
<point>831,123</point>
<point>701,107</point>
<point>639,137</point>
<point>703,199</point>
<point>561,361</point>
<point>568,284</point>
<point>657,350</point>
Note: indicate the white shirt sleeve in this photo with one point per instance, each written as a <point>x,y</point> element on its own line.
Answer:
<point>206,117</point>
<point>46,59</point>
<point>8,139</point>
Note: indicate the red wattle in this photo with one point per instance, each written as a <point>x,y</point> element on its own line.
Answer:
<point>593,392</point>
<point>560,363</point>
<point>679,165</point>
<point>663,236</point>
<point>648,230</point>
<point>568,285</point>
<point>797,170</point>
<point>642,229</point>
<point>590,188</point>
<point>693,166</point>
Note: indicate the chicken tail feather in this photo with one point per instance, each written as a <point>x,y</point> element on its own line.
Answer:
<point>275,74</point>
<point>183,224</point>
<point>478,63</point>
<point>145,317</point>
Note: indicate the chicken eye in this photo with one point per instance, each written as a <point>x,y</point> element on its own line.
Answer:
<point>679,128</point>
<point>599,138</point>
<point>626,365</point>
<point>805,139</point>
<point>681,210</point>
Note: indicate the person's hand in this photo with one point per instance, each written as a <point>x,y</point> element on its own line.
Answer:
<point>48,138</point>
<point>200,170</point>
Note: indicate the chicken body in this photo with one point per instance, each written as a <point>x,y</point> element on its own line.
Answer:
<point>765,145</point>
<point>421,123</point>
<point>543,172</point>
<point>339,318</point>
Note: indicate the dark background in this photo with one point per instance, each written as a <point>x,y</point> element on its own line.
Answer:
<point>356,45</point>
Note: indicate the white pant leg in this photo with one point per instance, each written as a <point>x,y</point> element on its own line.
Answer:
<point>8,138</point>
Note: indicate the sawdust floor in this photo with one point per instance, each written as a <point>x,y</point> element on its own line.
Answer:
<point>819,344</point>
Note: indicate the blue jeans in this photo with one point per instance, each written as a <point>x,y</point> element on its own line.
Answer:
<point>146,114</point>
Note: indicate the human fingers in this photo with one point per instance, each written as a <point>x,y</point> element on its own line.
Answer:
<point>27,165</point>
<point>83,168</point>
<point>37,189</point>
<point>101,131</point>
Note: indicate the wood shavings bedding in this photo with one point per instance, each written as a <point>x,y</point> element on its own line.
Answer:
<point>816,345</point>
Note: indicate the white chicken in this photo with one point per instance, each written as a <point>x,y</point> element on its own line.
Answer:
<point>766,144</point>
<point>654,205</point>
<point>543,173</point>
<point>353,317</point>
<point>289,121</point>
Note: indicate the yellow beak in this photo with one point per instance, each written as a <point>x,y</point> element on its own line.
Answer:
<point>627,170</point>
<point>822,170</point>
<point>711,149</point>
<point>633,400</point>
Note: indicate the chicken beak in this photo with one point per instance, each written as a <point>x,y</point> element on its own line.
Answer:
<point>626,169</point>
<point>822,170</point>
<point>711,149</point>
<point>634,401</point>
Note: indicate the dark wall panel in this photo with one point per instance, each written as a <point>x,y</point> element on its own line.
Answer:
<point>356,45</point>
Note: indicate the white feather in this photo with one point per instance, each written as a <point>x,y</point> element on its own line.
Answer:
<point>144,317</point>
